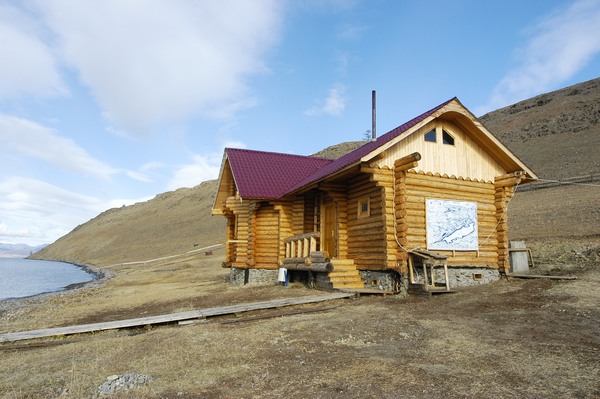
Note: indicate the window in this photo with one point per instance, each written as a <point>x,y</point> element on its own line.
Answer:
<point>431,136</point>
<point>364,207</point>
<point>447,138</point>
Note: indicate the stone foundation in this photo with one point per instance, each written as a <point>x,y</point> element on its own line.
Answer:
<point>252,276</point>
<point>461,276</point>
<point>382,280</point>
<point>321,281</point>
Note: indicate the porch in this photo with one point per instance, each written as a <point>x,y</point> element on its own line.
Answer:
<point>303,254</point>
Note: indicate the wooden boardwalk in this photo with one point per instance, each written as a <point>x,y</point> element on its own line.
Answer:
<point>170,318</point>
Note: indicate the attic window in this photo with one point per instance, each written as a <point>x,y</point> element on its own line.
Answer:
<point>447,138</point>
<point>431,136</point>
<point>364,207</point>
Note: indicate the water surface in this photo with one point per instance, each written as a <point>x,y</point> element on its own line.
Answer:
<point>24,277</point>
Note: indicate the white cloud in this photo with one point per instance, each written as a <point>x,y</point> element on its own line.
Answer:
<point>145,173</point>
<point>149,62</point>
<point>560,46</point>
<point>333,105</point>
<point>39,142</point>
<point>28,65</point>
<point>38,212</point>
<point>201,169</point>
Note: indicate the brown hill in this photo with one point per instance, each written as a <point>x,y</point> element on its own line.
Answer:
<point>171,223</point>
<point>557,134</point>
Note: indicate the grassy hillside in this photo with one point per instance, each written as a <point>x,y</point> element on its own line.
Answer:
<point>171,223</point>
<point>557,134</point>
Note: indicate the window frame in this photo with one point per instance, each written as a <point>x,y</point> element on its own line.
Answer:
<point>428,136</point>
<point>361,214</point>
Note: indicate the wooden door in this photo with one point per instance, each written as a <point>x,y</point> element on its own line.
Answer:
<point>329,235</point>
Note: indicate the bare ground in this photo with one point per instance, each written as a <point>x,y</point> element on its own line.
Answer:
<point>511,339</point>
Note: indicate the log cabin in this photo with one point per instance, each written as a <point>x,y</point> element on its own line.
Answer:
<point>422,205</point>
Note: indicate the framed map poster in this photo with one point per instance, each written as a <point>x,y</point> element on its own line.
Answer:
<point>451,225</point>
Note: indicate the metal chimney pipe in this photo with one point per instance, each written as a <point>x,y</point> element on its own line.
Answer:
<point>373,116</point>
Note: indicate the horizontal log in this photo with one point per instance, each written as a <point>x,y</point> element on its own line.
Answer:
<point>473,263</point>
<point>507,182</point>
<point>378,257</point>
<point>431,177</point>
<point>298,259</point>
<point>323,267</point>
<point>357,188</point>
<point>365,238</point>
<point>408,159</point>
<point>407,166</point>
<point>426,192</point>
<point>367,224</point>
<point>369,170</point>
<point>510,175</point>
<point>485,189</point>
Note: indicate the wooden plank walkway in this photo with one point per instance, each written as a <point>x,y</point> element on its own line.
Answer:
<point>170,318</point>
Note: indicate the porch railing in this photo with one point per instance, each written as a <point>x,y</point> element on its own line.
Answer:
<point>302,245</point>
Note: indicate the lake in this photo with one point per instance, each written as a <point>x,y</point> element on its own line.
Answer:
<point>23,277</point>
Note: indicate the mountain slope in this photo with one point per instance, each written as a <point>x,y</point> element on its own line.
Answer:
<point>171,223</point>
<point>557,134</point>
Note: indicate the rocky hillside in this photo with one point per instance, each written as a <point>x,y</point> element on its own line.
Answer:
<point>557,134</point>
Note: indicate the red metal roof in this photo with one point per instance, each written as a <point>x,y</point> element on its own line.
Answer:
<point>355,156</point>
<point>269,175</point>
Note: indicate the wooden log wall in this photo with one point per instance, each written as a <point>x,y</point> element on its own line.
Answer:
<point>366,235</point>
<point>298,214</point>
<point>400,210</point>
<point>251,216</point>
<point>309,222</point>
<point>285,210</point>
<point>240,237</point>
<point>264,253</point>
<point>504,190</point>
<point>230,245</point>
<point>417,187</point>
<point>384,179</point>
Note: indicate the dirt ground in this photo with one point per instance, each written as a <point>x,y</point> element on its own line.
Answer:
<point>511,339</point>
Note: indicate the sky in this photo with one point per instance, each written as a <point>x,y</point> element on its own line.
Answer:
<point>108,103</point>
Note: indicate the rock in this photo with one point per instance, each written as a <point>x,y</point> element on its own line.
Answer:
<point>115,383</point>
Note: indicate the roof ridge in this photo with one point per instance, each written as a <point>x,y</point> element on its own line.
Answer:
<point>355,155</point>
<point>278,153</point>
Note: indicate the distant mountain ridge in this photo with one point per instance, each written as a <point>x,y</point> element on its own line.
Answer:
<point>557,134</point>
<point>18,250</point>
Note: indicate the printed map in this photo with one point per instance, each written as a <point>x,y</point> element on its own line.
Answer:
<point>451,225</point>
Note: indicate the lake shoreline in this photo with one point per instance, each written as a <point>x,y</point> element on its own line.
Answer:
<point>101,276</point>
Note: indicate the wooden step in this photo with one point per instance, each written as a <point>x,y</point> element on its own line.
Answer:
<point>345,275</point>
<point>421,289</point>
<point>337,283</point>
<point>349,285</point>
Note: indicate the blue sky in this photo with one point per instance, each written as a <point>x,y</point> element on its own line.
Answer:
<point>108,103</point>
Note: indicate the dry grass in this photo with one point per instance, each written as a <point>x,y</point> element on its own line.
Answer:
<point>138,291</point>
<point>512,339</point>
